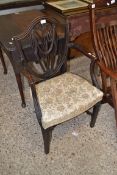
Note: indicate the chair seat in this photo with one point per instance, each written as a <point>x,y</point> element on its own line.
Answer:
<point>64,97</point>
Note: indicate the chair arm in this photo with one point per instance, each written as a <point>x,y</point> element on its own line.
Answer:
<point>30,77</point>
<point>30,73</point>
<point>27,75</point>
<point>32,82</point>
<point>107,71</point>
<point>81,49</point>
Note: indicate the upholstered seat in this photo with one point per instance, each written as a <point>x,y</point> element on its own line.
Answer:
<point>64,97</point>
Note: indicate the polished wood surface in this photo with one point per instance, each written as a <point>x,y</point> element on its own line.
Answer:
<point>11,25</point>
<point>79,22</point>
<point>16,24</point>
<point>67,7</point>
<point>17,3</point>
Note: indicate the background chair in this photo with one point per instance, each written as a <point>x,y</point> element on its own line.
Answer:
<point>104,37</point>
<point>3,62</point>
<point>58,95</point>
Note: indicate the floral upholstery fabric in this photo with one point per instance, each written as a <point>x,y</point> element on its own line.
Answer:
<point>64,97</point>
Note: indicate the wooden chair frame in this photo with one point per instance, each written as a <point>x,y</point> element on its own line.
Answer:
<point>104,37</point>
<point>50,68</point>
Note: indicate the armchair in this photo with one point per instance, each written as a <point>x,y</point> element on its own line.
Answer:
<point>58,95</point>
<point>104,37</point>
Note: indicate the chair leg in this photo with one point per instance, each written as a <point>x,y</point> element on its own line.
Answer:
<point>3,62</point>
<point>96,109</point>
<point>114,97</point>
<point>116,115</point>
<point>19,82</point>
<point>47,135</point>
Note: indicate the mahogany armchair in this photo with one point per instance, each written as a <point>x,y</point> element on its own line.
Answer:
<point>104,37</point>
<point>3,62</point>
<point>58,95</point>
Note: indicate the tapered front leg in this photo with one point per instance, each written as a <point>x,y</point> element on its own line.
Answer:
<point>47,135</point>
<point>96,109</point>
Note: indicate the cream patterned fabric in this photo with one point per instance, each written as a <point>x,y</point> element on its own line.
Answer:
<point>64,97</point>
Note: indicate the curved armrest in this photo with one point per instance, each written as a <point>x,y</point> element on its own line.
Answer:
<point>81,49</point>
<point>30,75</point>
<point>107,71</point>
<point>32,83</point>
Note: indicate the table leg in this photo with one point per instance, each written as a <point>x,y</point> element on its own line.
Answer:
<point>16,70</point>
<point>3,62</point>
<point>19,83</point>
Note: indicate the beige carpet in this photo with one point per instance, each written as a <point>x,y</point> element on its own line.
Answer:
<point>76,149</point>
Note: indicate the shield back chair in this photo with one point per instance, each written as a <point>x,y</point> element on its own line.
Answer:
<point>58,95</point>
<point>3,62</point>
<point>104,38</point>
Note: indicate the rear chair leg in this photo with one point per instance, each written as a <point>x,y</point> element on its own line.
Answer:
<point>96,109</point>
